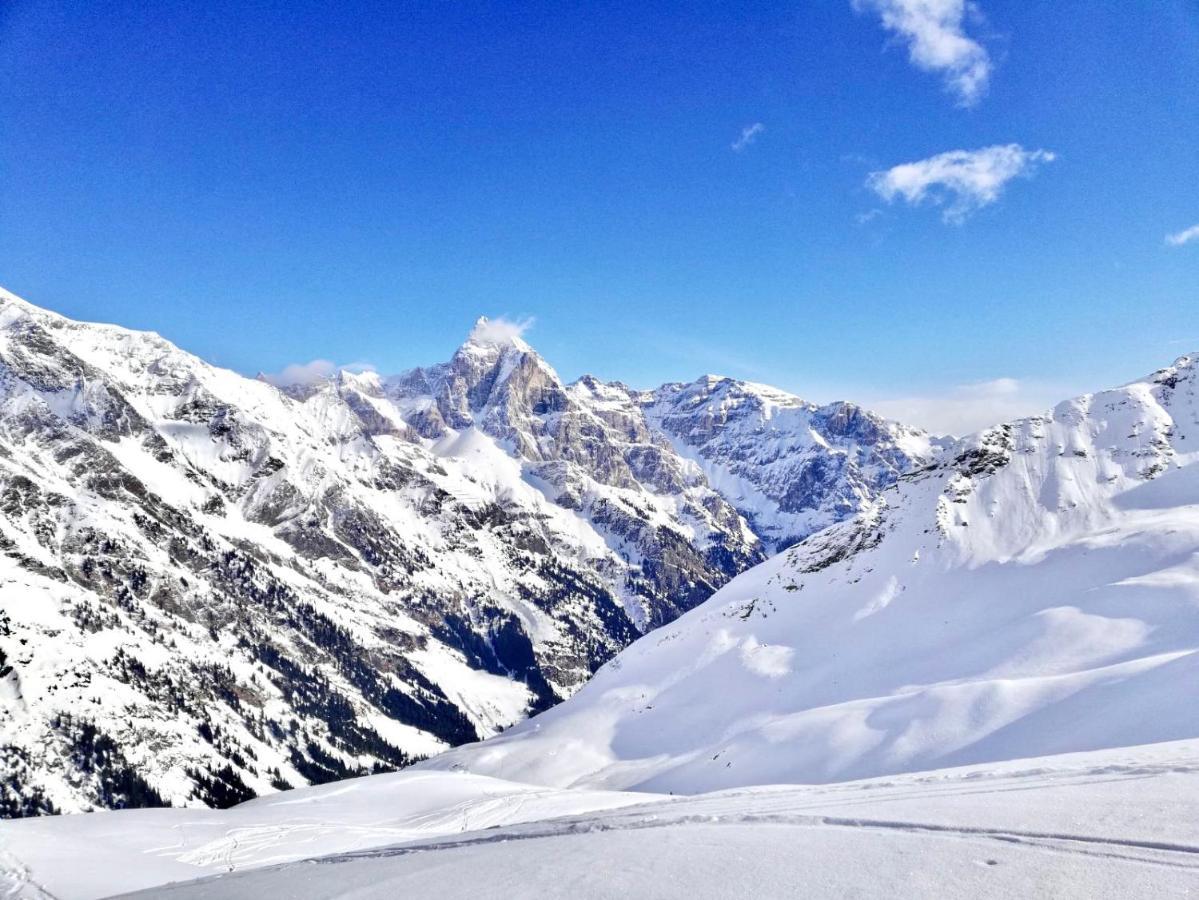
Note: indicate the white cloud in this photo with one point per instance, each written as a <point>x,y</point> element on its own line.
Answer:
<point>962,180</point>
<point>937,42</point>
<point>500,330</point>
<point>1183,237</point>
<point>749,134</point>
<point>299,374</point>
<point>964,409</point>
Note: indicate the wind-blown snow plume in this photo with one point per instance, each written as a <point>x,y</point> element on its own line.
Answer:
<point>499,331</point>
<point>937,42</point>
<point>962,180</point>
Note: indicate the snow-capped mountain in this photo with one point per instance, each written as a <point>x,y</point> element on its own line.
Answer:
<point>789,466</point>
<point>1035,591</point>
<point>588,448</point>
<point>212,587</point>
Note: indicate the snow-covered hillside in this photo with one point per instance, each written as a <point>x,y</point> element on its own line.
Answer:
<point>211,587</point>
<point>1034,592</point>
<point>1112,823</point>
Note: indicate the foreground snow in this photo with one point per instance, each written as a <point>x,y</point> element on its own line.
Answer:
<point>94,855</point>
<point>1115,823</point>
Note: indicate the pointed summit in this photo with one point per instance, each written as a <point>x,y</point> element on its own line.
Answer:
<point>499,332</point>
<point>492,367</point>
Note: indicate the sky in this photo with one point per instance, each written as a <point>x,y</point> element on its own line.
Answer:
<point>954,212</point>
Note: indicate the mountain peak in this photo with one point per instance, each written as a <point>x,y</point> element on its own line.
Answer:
<point>499,332</point>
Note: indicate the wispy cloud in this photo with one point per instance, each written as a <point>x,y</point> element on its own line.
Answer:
<point>934,31</point>
<point>299,374</point>
<point>749,134</point>
<point>1178,238</point>
<point>966,408</point>
<point>499,330</point>
<point>961,180</point>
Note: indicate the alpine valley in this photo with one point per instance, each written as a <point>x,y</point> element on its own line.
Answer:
<point>213,587</point>
<point>859,661</point>
<point>978,680</point>
<point>1032,592</point>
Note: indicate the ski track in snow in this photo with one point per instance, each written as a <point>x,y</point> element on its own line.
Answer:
<point>1176,863</point>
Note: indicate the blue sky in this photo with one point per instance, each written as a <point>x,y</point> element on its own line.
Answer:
<point>271,183</point>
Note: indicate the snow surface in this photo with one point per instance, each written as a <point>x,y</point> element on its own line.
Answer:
<point>1113,823</point>
<point>94,855</point>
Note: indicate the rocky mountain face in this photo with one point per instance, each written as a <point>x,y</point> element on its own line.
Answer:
<point>590,450</point>
<point>1033,591</point>
<point>790,467</point>
<point>212,587</point>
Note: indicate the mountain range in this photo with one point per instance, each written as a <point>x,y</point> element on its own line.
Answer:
<point>1033,591</point>
<point>976,653</point>
<point>213,587</point>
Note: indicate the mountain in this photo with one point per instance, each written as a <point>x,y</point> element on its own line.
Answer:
<point>789,466</point>
<point>987,666</point>
<point>1034,591</point>
<point>588,449</point>
<point>212,587</point>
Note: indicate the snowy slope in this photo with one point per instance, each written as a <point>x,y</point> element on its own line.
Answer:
<point>211,588</point>
<point>1036,592</point>
<point>99,854</point>
<point>1113,823</point>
